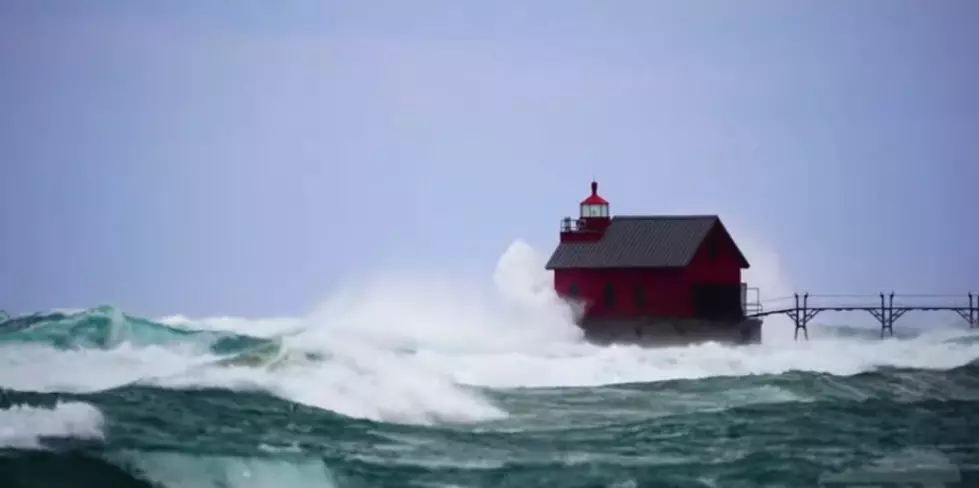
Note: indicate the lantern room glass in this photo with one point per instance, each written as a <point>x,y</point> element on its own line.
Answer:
<point>594,210</point>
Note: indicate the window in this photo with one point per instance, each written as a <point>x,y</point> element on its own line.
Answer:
<point>573,291</point>
<point>600,210</point>
<point>711,249</point>
<point>639,293</point>
<point>609,296</point>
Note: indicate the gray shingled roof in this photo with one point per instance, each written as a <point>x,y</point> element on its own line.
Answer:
<point>639,242</point>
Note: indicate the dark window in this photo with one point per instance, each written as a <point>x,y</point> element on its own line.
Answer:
<point>573,291</point>
<point>639,293</point>
<point>711,249</point>
<point>609,296</point>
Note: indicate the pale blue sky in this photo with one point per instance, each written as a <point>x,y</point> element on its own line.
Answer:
<point>246,158</point>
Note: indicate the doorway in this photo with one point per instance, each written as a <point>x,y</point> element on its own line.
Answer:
<point>716,301</point>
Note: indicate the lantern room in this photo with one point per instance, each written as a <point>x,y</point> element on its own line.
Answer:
<point>592,220</point>
<point>594,206</point>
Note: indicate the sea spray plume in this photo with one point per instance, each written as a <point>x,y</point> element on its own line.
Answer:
<point>767,274</point>
<point>435,312</point>
<point>383,343</point>
<point>523,283</point>
<point>367,336</point>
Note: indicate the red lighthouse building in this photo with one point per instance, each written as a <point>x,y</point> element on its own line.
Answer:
<point>652,279</point>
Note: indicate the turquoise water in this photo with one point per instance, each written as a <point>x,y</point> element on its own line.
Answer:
<point>99,398</point>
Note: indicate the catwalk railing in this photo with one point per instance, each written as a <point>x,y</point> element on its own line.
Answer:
<point>802,308</point>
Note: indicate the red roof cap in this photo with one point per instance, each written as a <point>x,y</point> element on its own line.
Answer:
<point>594,199</point>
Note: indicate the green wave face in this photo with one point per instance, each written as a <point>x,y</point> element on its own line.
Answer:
<point>106,327</point>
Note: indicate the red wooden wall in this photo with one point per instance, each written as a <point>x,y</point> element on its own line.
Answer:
<point>666,291</point>
<point>724,268</point>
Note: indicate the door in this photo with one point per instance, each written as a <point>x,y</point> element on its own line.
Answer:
<point>715,301</point>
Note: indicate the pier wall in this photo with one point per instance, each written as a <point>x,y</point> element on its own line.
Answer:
<point>668,331</point>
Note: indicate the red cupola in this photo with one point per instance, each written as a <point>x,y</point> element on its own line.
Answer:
<point>594,206</point>
<point>592,221</point>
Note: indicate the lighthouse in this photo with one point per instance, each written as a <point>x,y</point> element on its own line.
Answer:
<point>652,279</point>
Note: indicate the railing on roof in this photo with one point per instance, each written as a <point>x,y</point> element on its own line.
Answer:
<point>571,224</point>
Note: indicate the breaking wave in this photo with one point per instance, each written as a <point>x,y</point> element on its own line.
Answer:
<point>417,350</point>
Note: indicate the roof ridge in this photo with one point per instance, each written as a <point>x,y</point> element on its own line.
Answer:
<point>664,217</point>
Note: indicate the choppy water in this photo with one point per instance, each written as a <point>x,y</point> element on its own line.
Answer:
<point>396,385</point>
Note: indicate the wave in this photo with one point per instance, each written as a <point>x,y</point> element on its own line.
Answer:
<point>713,427</point>
<point>148,469</point>
<point>421,349</point>
<point>107,327</point>
<point>25,426</point>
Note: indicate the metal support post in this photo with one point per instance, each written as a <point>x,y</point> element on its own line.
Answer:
<point>971,314</point>
<point>802,315</point>
<point>973,311</point>
<point>889,318</point>
<point>798,316</point>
